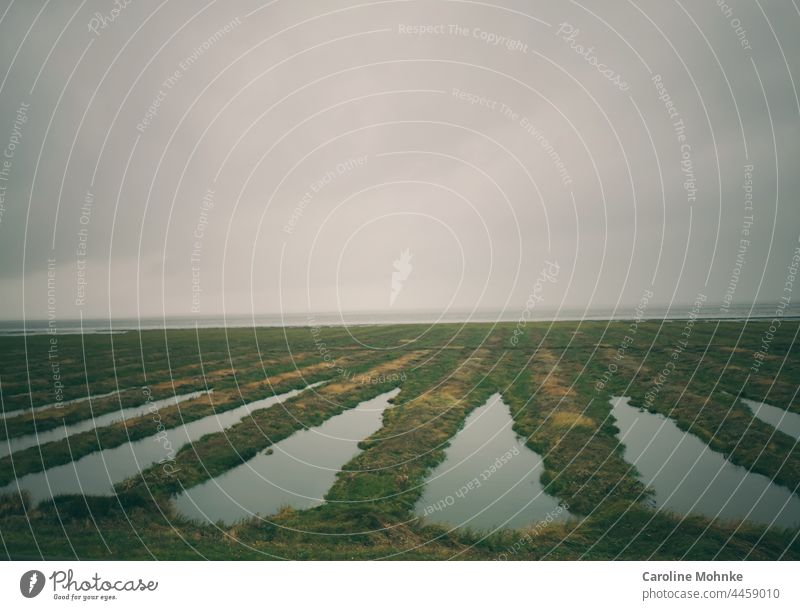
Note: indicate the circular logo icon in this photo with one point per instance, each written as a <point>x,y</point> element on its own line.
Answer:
<point>31,583</point>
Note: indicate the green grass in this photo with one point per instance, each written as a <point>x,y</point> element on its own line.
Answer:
<point>549,379</point>
<point>55,453</point>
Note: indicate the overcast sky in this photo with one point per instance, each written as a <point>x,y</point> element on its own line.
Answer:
<point>282,160</point>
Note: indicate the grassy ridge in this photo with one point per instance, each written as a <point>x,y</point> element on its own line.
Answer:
<point>216,453</point>
<point>105,362</point>
<point>377,490</point>
<point>55,453</point>
<point>31,422</point>
<point>576,438</point>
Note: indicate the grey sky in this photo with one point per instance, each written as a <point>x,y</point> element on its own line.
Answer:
<point>263,105</point>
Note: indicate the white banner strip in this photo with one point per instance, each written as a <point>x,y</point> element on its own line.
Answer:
<point>401,585</point>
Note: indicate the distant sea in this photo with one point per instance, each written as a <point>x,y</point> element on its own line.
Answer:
<point>120,325</point>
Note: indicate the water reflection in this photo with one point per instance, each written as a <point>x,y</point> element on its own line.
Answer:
<point>689,477</point>
<point>785,421</point>
<point>296,471</point>
<point>31,440</point>
<point>489,478</point>
<point>96,473</point>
